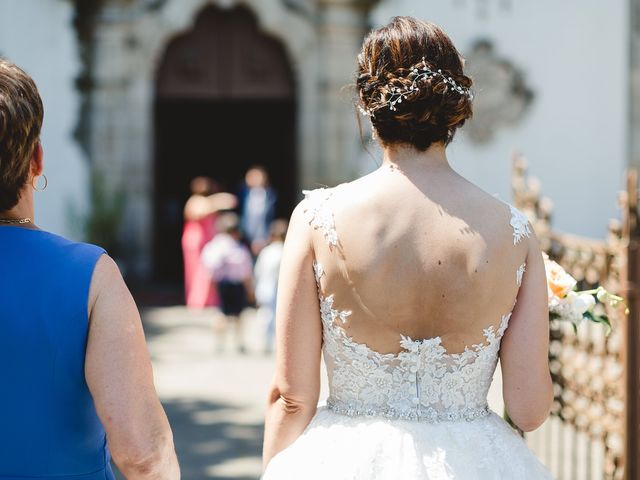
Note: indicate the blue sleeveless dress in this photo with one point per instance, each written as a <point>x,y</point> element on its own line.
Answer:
<point>48,423</point>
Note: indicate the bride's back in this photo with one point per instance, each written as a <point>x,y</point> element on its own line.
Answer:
<point>406,280</point>
<point>420,252</point>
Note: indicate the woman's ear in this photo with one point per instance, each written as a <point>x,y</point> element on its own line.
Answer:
<point>37,160</point>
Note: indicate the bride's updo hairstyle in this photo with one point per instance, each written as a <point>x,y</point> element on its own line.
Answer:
<point>410,82</point>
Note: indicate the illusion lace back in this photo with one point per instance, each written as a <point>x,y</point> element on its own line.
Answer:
<point>420,413</point>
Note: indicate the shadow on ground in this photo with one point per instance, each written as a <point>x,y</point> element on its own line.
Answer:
<point>211,443</point>
<point>217,428</point>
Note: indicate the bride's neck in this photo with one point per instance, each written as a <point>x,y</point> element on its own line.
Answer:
<point>408,158</point>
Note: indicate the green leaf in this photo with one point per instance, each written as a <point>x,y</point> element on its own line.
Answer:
<point>604,319</point>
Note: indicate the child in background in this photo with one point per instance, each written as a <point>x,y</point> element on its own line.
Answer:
<point>229,264</point>
<point>266,278</point>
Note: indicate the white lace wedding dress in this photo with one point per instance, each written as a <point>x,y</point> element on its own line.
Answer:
<point>418,414</point>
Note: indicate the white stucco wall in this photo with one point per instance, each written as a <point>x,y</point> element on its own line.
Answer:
<point>38,36</point>
<point>574,54</point>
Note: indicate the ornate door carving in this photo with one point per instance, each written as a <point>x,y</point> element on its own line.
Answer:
<point>225,56</point>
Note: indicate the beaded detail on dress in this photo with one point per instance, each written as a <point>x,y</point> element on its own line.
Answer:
<point>422,382</point>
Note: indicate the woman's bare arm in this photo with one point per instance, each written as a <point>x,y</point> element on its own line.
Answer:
<point>524,354</point>
<point>222,201</point>
<point>120,378</point>
<point>293,397</point>
<point>198,207</point>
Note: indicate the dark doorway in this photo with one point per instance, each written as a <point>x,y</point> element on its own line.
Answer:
<point>225,102</point>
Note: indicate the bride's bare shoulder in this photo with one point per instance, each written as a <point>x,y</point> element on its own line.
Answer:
<point>479,193</point>
<point>479,199</point>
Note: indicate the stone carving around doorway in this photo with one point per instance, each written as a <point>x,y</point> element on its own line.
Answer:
<point>502,96</point>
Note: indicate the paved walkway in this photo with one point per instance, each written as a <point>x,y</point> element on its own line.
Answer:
<point>215,401</point>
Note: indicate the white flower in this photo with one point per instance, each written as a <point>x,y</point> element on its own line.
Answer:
<point>572,307</point>
<point>579,303</point>
<point>586,302</point>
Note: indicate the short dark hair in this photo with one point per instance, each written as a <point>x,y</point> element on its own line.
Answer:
<point>431,114</point>
<point>21,115</point>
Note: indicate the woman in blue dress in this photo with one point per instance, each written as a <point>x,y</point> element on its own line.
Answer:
<point>77,385</point>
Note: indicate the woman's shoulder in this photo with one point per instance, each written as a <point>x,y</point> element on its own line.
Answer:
<point>319,195</point>
<point>63,248</point>
<point>500,214</point>
<point>65,242</point>
<point>478,198</point>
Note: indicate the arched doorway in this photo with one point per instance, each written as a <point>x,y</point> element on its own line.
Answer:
<point>225,100</point>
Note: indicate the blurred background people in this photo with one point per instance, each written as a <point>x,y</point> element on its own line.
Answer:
<point>266,271</point>
<point>73,358</point>
<point>200,214</point>
<point>257,207</point>
<point>230,265</point>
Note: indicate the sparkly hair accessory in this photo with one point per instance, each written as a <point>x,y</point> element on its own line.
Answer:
<point>397,94</point>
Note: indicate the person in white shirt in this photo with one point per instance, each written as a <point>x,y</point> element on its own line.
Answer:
<point>266,273</point>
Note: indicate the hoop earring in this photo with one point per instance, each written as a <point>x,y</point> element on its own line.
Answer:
<point>34,184</point>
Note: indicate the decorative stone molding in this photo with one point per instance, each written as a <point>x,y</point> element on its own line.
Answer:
<point>502,95</point>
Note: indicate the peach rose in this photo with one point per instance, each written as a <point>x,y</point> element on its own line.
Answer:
<point>559,282</point>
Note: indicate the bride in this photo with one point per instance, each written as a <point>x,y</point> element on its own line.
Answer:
<point>411,281</point>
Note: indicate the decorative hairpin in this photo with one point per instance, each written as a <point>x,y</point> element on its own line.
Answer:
<point>397,94</point>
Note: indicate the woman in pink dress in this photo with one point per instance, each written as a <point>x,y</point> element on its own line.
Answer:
<point>200,214</point>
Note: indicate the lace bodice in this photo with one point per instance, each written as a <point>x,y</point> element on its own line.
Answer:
<point>421,382</point>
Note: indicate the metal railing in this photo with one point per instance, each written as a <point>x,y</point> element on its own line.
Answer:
<point>593,429</point>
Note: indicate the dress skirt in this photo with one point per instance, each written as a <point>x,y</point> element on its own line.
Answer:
<point>340,447</point>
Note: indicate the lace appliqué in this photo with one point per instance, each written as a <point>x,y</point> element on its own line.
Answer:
<point>520,224</point>
<point>423,382</point>
<point>319,216</point>
<point>326,303</point>
<point>520,273</point>
<point>327,310</point>
<point>318,272</point>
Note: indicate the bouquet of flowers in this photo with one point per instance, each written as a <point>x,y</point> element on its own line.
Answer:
<point>568,304</point>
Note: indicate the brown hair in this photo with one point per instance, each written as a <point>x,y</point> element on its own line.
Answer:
<point>435,110</point>
<point>203,186</point>
<point>21,114</point>
<point>228,222</point>
<point>278,229</point>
